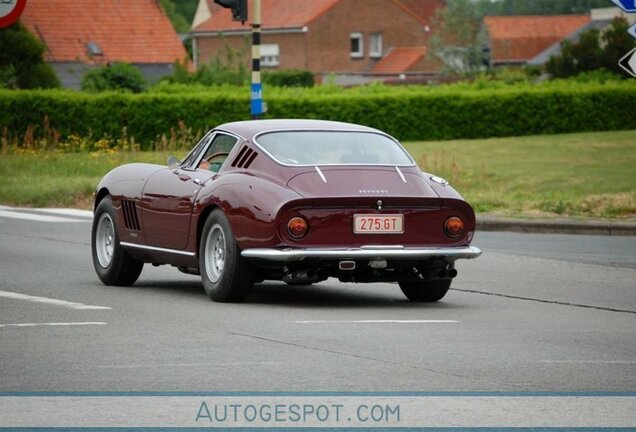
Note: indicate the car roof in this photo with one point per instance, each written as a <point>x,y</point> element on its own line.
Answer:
<point>249,128</point>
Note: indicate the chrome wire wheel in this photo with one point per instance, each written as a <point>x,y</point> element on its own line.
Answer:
<point>215,253</point>
<point>105,240</point>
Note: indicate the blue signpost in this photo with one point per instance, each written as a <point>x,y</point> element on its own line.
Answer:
<point>627,5</point>
<point>632,31</point>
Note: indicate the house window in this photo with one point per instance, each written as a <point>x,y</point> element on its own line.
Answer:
<point>375,45</point>
<point>269,55</point>
<point>357,45</point>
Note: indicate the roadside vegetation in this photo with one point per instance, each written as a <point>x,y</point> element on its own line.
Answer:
<point>573,156</point>
<point>583,175</point>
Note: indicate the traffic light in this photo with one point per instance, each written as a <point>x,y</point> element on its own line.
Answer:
<point>239,8</point>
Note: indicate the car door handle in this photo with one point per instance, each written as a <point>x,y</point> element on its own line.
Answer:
<point>198,181</point>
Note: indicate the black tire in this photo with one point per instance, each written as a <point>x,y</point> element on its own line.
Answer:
<point>226,275</point>
<point>426,291</point>
<point>114,266</point>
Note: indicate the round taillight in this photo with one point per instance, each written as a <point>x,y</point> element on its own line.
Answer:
<point>297,227</point>
<point>454,227</point>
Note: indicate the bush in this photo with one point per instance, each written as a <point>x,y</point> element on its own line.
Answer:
<point>21,60</point>
<point>289,78</point>
<point>227,67</point>
<point>593,51</point>
<point>479,110</point>
<point>114,76</point>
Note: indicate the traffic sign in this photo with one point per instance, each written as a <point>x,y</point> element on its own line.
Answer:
<point>626,5</point>
<point>632,31</point>
<point>10,11</point>
<point>629,62</point>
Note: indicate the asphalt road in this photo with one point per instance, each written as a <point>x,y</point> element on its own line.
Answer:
<point>534,313</point>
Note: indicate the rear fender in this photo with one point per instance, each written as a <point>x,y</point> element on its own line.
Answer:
<point>250,205</point>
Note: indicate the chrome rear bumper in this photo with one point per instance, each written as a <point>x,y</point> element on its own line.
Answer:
<point>364,252</point>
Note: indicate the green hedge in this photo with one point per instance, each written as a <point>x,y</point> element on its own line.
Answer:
<point>288,78</point>
<point>408,113</point>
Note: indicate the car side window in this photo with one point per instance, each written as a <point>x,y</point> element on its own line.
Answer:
<point>217,151</point>
<point>193,156</point>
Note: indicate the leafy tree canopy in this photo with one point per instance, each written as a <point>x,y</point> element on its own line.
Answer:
<point>459,38</point>
<point>538,7</point>
<point>115,76</point>
<point>180,13</point>
<point>595,50</point>
<point>22,63</point>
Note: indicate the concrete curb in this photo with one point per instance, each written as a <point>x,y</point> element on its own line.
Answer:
<point>487,222</point>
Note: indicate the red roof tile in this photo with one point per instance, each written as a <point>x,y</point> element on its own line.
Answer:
<point>128,31</point>
<point>519,38</point>
<point>399,60</point>
<point>423,10</point>
<point>275,14</point>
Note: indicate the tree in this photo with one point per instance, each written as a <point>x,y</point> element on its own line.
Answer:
<point>22,63</point>
<point>617,44</point>
<point>179,22</point>
<point>459,38</point>
<point>115,76</point>
<point>538,7</point>
<point>595,50</point>
<point>227,67</point>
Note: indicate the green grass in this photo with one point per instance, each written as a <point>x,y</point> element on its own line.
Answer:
<point>46,179</point>
<point>581,175</point>
<point>587,175</point>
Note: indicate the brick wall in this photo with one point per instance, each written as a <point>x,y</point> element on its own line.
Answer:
<point>325,47</point>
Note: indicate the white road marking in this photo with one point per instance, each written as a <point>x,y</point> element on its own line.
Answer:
<point>590,361</point>
<point>84,214</point>
<point>376,321</point>
<point>34,217</point>
<point>206,365</point>
<point>46,300</point>
<point>38,218</point>
<point>53,324</point>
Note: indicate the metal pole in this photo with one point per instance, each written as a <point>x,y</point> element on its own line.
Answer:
<point>256,96</point>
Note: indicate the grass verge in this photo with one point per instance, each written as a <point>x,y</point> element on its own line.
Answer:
<point>46,179</point>
<point>587,175</point>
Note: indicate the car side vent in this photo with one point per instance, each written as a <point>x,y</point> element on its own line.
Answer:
<point>130,214</point>
<point>245,158</point>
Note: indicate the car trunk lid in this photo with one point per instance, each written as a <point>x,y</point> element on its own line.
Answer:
<point>385,181</point>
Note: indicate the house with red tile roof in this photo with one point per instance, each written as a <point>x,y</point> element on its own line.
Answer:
<point>516,39</point>
<point>80,34</point>
<point>352,40</point>
<point>600,20</point>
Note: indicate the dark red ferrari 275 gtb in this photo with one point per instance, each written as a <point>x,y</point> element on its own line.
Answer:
<point>292,200</point>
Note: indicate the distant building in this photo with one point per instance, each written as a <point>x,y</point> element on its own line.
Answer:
<point>353,41</point>
<point>600,20</point>
<point>81,34</point>
<point>513,40</point>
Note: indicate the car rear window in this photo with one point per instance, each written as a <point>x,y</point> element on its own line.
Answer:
<point>333,148</point>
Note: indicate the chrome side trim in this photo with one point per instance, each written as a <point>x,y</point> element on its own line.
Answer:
<point>364,252</point>
<point>156,249</point>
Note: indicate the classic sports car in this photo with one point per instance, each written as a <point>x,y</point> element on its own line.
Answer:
<point>292,200</point>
